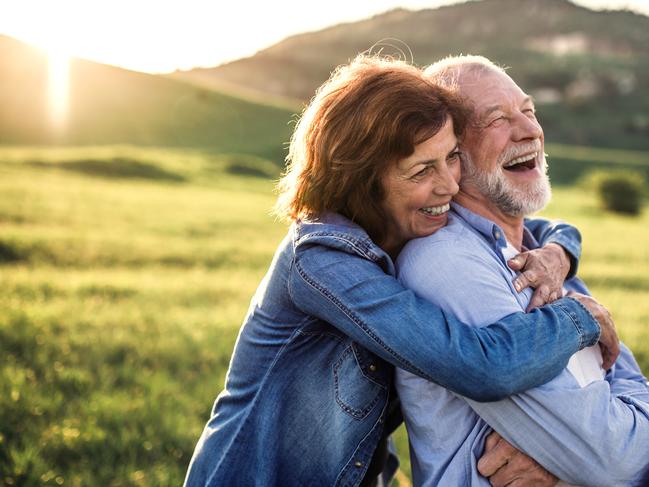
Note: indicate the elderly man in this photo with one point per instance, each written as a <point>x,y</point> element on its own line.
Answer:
<point>587,426</point>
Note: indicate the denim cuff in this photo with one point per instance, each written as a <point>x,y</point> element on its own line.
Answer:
<point>587,326</point>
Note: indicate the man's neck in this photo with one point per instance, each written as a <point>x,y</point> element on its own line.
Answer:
<point>478,204</point>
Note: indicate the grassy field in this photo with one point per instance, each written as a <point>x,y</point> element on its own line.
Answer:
<point>125,275</point>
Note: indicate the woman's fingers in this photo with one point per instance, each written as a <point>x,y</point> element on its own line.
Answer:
<point>609,343</point>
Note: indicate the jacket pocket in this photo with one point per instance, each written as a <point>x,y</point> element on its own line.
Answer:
<point>356,393</point>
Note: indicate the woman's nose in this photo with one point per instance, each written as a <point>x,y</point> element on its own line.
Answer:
<point>447,185</point>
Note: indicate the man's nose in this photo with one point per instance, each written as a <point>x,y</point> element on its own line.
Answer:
<point>527,127</point>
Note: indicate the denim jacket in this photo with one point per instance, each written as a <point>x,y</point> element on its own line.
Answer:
<point>308,394</point>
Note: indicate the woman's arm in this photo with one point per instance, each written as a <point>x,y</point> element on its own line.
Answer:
<point>514,354</point>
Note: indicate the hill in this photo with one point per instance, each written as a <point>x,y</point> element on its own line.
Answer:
<point>588,70</point>
<point>109,105</point>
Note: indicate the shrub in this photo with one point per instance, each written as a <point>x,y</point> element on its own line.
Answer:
<point>618,191</point>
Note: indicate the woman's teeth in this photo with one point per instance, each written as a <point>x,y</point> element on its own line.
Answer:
<point>436,210</point>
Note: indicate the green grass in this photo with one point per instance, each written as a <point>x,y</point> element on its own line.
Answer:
<point>125,275</point>
<point>568,164</point>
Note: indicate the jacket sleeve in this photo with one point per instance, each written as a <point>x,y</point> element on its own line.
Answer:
<point>564,234</point>
<point>511,355</point>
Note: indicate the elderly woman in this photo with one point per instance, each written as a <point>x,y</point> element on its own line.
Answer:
<point>308,397</point>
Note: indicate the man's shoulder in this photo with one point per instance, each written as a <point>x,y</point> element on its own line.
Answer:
<point>451,249</point>
<point>455,238</point>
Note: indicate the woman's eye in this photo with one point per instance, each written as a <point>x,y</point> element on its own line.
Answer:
<point>421,173</point>
<point>455,156</point>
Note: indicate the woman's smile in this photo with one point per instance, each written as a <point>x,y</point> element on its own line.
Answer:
<point>436,211</point>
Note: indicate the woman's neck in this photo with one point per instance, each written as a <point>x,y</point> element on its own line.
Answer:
<point>392,247</point>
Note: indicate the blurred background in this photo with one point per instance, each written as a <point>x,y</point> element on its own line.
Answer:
<point>139,145</point>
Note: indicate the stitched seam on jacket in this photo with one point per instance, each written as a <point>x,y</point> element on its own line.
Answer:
<point>576,321</point>
<point>353,412</point>
<point>360,246</point>
<point>348,466</point>
<point>347,312</point>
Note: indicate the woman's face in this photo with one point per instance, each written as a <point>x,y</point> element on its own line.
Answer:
<point>419,189</point>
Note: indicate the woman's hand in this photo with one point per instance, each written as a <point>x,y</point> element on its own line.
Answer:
<point>504,465</point>
<point>544,269</point>
<point>609,343</point>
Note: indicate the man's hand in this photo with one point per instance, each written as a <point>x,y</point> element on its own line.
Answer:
<point>609,343</point>
<point>544,269</point>
<point>504,465</point>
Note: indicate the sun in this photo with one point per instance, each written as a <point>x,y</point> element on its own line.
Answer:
<point>58,89</point>
<point>55,40</point>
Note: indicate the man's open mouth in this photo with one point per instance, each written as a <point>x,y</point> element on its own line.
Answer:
<point>522,163</point>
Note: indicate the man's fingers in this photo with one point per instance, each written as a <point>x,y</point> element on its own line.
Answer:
<point>509,472</point>
<point>523,471</point>
<point>491,441</point>
<point>537,477</point>
<point>540,297</point>
<point>528,483</point>
<point>495,458</point>
<point>525,279</point>
<point>518,262</point>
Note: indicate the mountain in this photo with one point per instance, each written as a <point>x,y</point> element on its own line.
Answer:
<point>588,70</point>
<point>109,105</point>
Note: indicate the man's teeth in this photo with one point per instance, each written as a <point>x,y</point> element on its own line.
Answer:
<point>520,159</point>
<point>436,210</point>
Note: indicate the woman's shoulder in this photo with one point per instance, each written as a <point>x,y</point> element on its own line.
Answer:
<point>333,231</point>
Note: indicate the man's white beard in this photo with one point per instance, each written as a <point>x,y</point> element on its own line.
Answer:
<point>514,200</point>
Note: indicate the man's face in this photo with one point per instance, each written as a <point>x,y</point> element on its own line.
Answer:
<point>503,145</point>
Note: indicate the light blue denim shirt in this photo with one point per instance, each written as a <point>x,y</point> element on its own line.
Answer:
<point>307,397</point>
<point>597,435</point>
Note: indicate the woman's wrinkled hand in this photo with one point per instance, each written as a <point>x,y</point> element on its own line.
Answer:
<point>504,465</point>
<point>609,343</point>
<point>543,269</point>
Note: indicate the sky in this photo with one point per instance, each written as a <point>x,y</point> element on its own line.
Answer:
<point>158,36</point>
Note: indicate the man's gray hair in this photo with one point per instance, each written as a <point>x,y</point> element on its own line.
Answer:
<point>448,71</point>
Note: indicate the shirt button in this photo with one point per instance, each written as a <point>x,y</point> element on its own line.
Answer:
<point>372,368</point>
<point>497,235</point>
<point>358,464</point>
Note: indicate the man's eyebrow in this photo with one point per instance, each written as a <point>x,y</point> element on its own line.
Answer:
<point>490,110</point>
<point>494,108</point>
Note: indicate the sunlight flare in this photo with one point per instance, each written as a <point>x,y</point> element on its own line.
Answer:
<point>59,89</point>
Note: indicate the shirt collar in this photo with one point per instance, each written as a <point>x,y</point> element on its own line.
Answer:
<point>492,232</point>
<point>488,229</point>
<point>529,241</point>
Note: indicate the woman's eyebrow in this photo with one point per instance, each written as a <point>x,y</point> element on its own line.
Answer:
<point>424,161</point>
<point>454,149</point>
